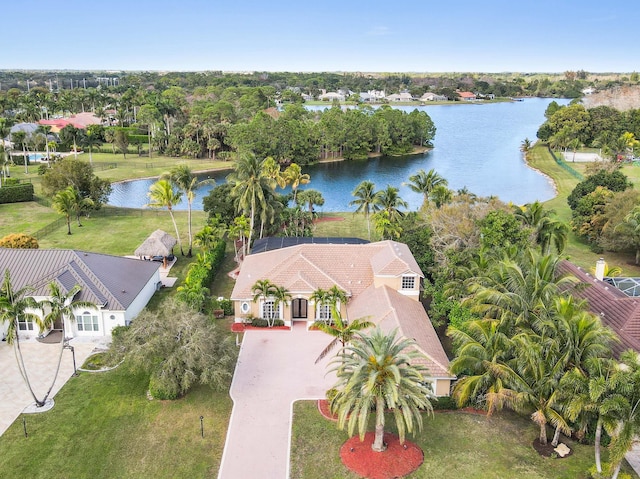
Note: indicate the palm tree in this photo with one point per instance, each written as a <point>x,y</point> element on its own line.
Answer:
<point>294,176</point>
<point>80,205</point>
<point>390,201</point>
<point>375,373</point>
<point>548,230</point>
<point>525,146</point>
<point>14,310</point>
<point>90,139</point>
<point>531,384</point>
<point>341,330</point>
<point>60,307</point>
<point>182,177</point>
<point>162,195</point>
<point>627,381</point>
<point>263,289</point>
<point>280,295</point>
<point>424,183</point>
<point>518,292</point>
<point>441,195</point>
<point>367,200</point>
<point>249,186</point>
<point>479,347</point>
<point>64,202</point>
<point>310,198</point>
<point>593,396</point>
<point>385,226</point>
<point>272,171</point>
<point>192,293</point>
<point>20,138</point>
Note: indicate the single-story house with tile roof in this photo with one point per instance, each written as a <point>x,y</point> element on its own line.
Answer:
<point>618,311</point>
<point>119,287</point>
<point>466,95</point>
<point>382,281</point>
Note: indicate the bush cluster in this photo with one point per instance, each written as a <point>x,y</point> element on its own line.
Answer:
<point>263,323</point>
<point>16,193</point>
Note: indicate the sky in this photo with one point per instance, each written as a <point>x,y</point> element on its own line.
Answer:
<point>308,36</point>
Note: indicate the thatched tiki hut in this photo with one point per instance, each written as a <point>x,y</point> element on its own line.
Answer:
<point>159,243</point>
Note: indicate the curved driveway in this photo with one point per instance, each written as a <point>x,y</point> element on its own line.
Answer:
<point>275,368</point>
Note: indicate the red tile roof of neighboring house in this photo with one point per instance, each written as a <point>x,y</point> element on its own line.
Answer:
<point>466,94</point>
<point>617,310</point>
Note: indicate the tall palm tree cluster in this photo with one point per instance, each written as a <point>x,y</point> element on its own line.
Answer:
<point>168,192</point>
<point>17,307</point>
<point>384,205</point>
<point>254,182</point>
<point>538,351</point>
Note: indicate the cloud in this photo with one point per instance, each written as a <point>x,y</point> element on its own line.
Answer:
<point>379,31</point>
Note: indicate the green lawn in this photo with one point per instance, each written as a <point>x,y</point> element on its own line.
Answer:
<point>577,250</point>
<point>455,445</point>
<point>25,217</point>
<point>343,225</point>
<point>121,235</point>
<point>117,168</point>
<point>103,426</point>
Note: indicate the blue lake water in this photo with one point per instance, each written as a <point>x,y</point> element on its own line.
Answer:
<point>476,145</point>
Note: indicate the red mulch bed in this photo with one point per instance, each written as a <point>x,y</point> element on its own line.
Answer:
<point>241,328</point>
<point>323,407</point>
<point>328,218</point>
<point>396,461</point>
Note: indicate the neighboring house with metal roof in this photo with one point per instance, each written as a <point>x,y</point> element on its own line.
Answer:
<point>119,287</point>
<point>617,310</point>
<point>382,281</point>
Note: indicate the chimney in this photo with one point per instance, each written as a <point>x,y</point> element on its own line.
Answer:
<point>600,264</point>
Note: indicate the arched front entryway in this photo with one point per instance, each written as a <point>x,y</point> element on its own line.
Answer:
<point>299,307</point>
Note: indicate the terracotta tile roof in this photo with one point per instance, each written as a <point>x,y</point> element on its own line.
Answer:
<point>110,281</point>
<point>617,310</point>
<point>391,310</point>
<point>316,266</point>
<point>394,259</point>
<point>304,268</point>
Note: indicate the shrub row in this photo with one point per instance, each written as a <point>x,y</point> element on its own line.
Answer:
<point>204,270</point>
<point>11,193</point>
<point>263,323</point>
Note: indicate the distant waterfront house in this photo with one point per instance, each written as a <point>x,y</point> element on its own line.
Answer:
<point>119,287</point>
<point>381,280</point>
<point>466,95</point>
<point>430,96</point>
<point>330,96</point>
<point>617,310</point>
<point>403,96</point>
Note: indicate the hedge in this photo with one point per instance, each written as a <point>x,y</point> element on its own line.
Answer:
<point>203,273</point>
<point>16,193</point>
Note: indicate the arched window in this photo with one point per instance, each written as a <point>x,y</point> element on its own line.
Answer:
<point>87,322</point>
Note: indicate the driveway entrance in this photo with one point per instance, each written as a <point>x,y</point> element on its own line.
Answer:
<point>275,368</point>
<point>40,360</point>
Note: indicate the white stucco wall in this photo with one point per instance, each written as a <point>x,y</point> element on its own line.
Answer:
<point>143,298</point>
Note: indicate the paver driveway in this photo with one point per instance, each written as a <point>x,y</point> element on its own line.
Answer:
<point>40,360</point>
<point>275,368</point>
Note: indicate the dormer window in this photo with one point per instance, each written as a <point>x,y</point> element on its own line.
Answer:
<point>408,282</point>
